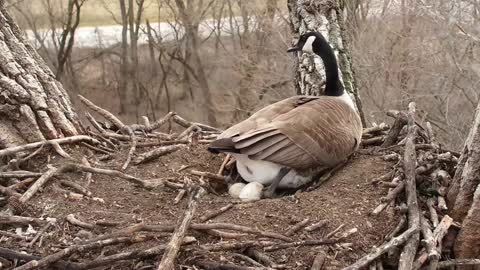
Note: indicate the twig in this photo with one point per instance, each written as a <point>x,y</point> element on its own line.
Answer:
<point>16,163</point>
<point>376,129</point>
<point>39,233</point>
<point>22,184</point>
<point>392,194</point>
<point>327,175</point>
<point>168,259</point>
<point>76,187</point>
<point>108,115</point>
<point>94,148</point>
<point>222,246</point>
<point>60,151</point>
<point>392,136</point>
<point>184,123</point>
<point>72,220</point>
<point>433,212</point>
<point>8,191</point>
<point>442,204</point>
<point>19,174</point>
<point>21,256</point>
<point>94,123</point>
<point>385,177</point>
<point>438,234</point>
<point>114,173</point>
<point>218,266</point>
<point>260,256</point>
<point>158,152</point>
<point>19,220</point>
<point>319,242</point>
<point>458,262</point>
<point>246,259</point>
<point>372,141</point>
<point>216,213</point>
<point>398,228</point>
<point>208,175</point>
<point>385,247</point>
<point>16,236</point>
<point>224,163</point>
<point>225,235</point>
<point>34,264</point>
<point>180,195</point>
<point>410,249</point>
<point>316,226</point>
<point>295,228</point>
<point>25,147</point>
<point>40,182</point>
<point>430,242</point>
<point>133,146</point>
<point>186,132</point>
<point>318,261</point>
<point>159,122</point>
<point>88,175</point>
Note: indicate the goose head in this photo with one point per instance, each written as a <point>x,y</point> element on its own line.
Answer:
<point>311,42</point>
<point>314,42</point>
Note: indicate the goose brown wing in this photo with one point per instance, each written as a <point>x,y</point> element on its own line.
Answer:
<point>324,131</point>
<point>266,115</point>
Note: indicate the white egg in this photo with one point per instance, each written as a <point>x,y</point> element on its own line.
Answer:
<point>251,192</point>
<point>235,189</point>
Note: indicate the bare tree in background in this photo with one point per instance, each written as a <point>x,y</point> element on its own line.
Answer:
<point>191,14</point>
<point>67,37</point>
<point>131,17</point>
<point>62,41</point>
<point>422,50</point>
<point>33,104</point>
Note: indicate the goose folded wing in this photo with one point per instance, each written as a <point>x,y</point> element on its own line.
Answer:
<point>266,115</point>
<point>317,133</point>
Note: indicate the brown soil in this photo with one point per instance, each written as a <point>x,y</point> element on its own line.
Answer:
<point>347,198</point>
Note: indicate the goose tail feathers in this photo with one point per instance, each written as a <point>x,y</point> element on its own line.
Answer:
<point>223,145</point>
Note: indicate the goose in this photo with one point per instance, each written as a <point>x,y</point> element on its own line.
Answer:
<point>282,144</point>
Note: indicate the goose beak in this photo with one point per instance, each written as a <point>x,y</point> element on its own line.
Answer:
<point>293,49</point>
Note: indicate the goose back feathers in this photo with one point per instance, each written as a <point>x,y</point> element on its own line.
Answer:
<point>299,132</point>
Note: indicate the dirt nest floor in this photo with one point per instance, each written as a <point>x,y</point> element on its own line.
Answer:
<point>346,200</point>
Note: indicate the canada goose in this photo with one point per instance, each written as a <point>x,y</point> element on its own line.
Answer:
<point>282,143</point>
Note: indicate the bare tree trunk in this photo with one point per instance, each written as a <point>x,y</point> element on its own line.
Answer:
<point>464,195</point>
<point>68,35</point>
<point>191,31</point>
<point>311,15</point>
<point>467,244</point>
<point>467,176</point>
<point>124,62</point>
<point>33,105</point>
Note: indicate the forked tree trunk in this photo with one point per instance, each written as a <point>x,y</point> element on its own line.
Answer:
<point>464,195</point>
<point>323,16</point>
<point>33,104</point>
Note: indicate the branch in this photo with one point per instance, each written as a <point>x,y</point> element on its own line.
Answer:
<point>408,254</point>
<point>395,242</point>
<point>15,149</point>
<point>168,259</point>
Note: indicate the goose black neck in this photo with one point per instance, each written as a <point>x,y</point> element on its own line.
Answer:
<point>333,86</point>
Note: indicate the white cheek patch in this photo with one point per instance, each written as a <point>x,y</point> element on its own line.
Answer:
<point>307,47</point>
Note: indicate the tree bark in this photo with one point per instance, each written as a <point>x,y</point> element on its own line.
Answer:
<point>33,105</point>
<point>467,176</point>
<point>467,244</point>
<point>323,16</point>
<point>464,195</point>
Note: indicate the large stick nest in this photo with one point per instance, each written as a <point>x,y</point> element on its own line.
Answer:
<point>133,197</point>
